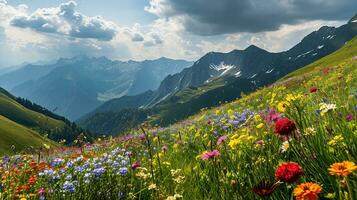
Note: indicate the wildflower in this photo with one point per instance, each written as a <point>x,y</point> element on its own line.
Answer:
<point>284,126</point>
<point>99,171</point>
<point>349,117</point>
<point>68,186</point>
<point>259,126</point>
<point>288,172</point>
<point>259,142</point>
<point>313,89</point>
<point>135,165</point>
<point>210,154</point>
<point>285,146</point>
<point>221,139</point>
<point>152,186</point>
<point>337,141</point>
<point>264,188</point>
<point>123,171</point>
<point>309,131</point>
<point>164,148</point>
<point>282,106</point>
<point>307,191</point>
<point>325,107</point>
<point>343,168</point>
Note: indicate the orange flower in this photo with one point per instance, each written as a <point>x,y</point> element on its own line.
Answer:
<point>343,168</point>
<point>307,191</point>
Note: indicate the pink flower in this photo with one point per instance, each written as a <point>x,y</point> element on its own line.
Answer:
<point>210,154</point>
<point>164,148</point>
<point>221,139</point>
<point>260,142</point>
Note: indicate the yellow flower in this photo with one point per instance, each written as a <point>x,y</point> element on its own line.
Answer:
<point>307,191</point>
<point>282,106</point>
<point>259,126</point>
<point>337,141</point>
<point>152,186</point>
<point>257,118</point>
<point>343,168</point>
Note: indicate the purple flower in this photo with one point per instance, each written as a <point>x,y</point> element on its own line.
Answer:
<point>123,171</point>
<point>349,117</point>
<point>68,186</point>
<point>99,171</point>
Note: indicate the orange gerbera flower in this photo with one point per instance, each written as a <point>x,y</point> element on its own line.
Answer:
<point>307,191</point>
<point>343,168</point>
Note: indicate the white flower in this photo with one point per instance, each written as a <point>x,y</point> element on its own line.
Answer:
<point>285,146</point>
<point>325,107</point>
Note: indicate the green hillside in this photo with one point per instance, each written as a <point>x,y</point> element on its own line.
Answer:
<point>15,137</point>
<point>14,111</point>
<point>23,124</point>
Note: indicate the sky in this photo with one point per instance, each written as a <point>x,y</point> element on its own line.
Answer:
<point>34,30</point>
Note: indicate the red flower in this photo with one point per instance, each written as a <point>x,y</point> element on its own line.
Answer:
<point>135,165</point>
<point>288,172</point>
<point>313,89</point>
<point>284,126</point>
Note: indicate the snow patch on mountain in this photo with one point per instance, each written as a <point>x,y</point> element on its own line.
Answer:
<point>269,71</point>
<point>223,68</point>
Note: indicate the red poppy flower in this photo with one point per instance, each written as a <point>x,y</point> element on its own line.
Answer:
<point>313,89</point>
<point>288,172</point>
<point>284,126</point>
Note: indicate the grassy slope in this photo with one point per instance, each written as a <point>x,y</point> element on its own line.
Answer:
<point>20,126</point>
<point>12,133</point>
<point>14,111</point>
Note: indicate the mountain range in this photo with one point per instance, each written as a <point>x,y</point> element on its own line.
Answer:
<point>219,77</point>
<point>71,87</point>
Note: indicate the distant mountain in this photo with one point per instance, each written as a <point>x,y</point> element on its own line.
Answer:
<point>73,87</point>
<point>219,77</point>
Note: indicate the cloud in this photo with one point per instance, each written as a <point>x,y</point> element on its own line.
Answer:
<point>137,37</point>
<point>65,20</point>
<point>210,17</point>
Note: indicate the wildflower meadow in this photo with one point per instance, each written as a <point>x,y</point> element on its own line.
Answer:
<point>296,139</point>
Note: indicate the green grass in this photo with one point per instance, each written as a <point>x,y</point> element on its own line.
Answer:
<point>19,114</point>
<point>21,137</point>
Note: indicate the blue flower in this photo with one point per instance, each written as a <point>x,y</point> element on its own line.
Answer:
<point>123,171</point>
<point>99,171</point>
<point>57,162</point>
<point>68,186</point>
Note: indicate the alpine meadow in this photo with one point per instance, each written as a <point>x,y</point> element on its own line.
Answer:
<point>174,100</point>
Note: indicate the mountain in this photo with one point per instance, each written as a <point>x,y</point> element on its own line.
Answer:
<point>73,87</point>
<point>219,77</point>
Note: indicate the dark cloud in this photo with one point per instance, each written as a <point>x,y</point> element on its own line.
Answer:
<point>213,17</point>
<point>67,21</point>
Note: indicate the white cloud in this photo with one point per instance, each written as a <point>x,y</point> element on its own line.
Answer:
<point>67,21</point>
